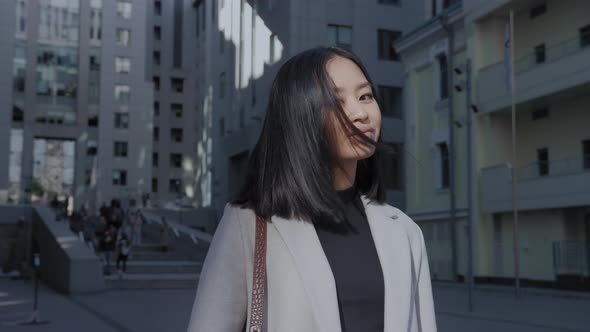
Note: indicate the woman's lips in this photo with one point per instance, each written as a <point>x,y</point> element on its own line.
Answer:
<point>369,132</point>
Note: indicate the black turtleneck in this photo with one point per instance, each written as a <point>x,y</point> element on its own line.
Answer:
<point>356,268</point>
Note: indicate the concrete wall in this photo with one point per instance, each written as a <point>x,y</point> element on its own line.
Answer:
<point>67,263</point>
<point>138,162</point>
<point>190,120</point>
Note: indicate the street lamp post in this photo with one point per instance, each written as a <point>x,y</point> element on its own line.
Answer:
<point>444,21</point>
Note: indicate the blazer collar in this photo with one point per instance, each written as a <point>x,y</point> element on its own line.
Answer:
<point>392,246</point>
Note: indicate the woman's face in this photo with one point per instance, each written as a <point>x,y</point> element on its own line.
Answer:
<point>356,98</point>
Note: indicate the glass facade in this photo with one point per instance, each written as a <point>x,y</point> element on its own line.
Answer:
<point>14,167</point>
<point>53,167</point>
<point>122,96</point>
<point>95,58</point>
<point>123,36</point>
<point>124,8</point>
<point>57,61</point>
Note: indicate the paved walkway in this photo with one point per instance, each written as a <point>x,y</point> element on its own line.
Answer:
<point>496,309</point>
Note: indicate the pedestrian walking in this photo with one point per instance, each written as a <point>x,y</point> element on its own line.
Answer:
<point>137,222</point>
<point>123,249</point>
<point>108,246</point>
<point>309,243</point>
<point>164,235</point>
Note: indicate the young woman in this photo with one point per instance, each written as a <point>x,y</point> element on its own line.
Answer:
<point>338,257</point>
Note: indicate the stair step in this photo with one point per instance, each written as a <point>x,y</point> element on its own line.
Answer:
<point>160,267</point>
<point>157,256</point>
<point>151,247</point>
<point>151,281</point>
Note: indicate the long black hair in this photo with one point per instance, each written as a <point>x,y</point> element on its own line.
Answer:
<point>290,172</point>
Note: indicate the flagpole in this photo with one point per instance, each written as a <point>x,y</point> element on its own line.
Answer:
<point>514,165</point>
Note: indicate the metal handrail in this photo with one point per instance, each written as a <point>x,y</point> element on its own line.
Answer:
<point>563,166</point>
<point>177,228</point>
<point>554,52</point>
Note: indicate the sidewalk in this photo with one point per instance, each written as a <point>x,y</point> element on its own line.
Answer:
<point>497,309</point>
<point>16,305</point>
<point>110,311</point>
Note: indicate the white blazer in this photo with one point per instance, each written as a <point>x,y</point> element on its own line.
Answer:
<point>301,291</point>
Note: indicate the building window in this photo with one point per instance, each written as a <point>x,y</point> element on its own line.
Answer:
<point>390,101</point>
<point>221,42</point>
<point>433,8</point>
<point>175,160</point>
<point>538,10</point>
<point>154,185</point>
<point>273,45</point>
<point>124,8</point>
<point>156,134</point>
<point>120,149</point>
<point>123,95</point>
<point>221,85</point>
<point>176,135</point>
<point>222,127</point>
<point>443,77</point>
<point>158,7</point>
<point>88,177</point>
<point>390,2</point>
<point>122,120</point>
<point>586,153</point>
<point>122,65</point>
<point>585,36</point>
<point>155,159</point>
<point>157,32</point>
<point>157,59</point>
<point>340,35</point>
<point>119,177</point>
<point>174,186</point>
<point>392,168</point>
<point>93,121</point>
<point>95,21</point>
<point>385,44</point>
<point>156,108</point>
<point>123,37</point>
<point>543,161</point>
<point>176,109</point>
<point>242,117</point>
<point>444,165</point>
<point>156,80</point>
<point>449,3</point>
<point>540,113</point>
<point>540,53</point>
<point>91,148</point>
<point>177,84</point>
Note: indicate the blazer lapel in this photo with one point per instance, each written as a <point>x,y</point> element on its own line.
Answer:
<point>393,249</point>
<point>315,272</point>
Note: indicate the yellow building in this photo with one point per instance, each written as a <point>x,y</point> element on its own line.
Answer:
<point>551,58</point>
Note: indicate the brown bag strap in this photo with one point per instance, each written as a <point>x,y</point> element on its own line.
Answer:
<point>259,280</point>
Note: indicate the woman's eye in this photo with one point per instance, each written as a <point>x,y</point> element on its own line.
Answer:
<point>368,96</point>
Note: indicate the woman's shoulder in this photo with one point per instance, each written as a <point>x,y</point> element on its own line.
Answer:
<point>237,216</point>
<point>409,225</point>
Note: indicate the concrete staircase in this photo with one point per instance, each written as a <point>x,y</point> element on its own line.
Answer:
<point>148,267</point>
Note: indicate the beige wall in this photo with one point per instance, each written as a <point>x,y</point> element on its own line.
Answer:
<point>559,24</point>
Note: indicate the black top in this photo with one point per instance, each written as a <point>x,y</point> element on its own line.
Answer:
<point>352,255</point>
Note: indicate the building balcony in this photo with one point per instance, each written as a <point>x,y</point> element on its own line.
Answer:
<point>564,185</point>
<point>562,69</point>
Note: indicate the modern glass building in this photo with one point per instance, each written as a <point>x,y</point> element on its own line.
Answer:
<point>74,100</point>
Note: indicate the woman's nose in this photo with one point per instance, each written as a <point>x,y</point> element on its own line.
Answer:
<point>358,113</point>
